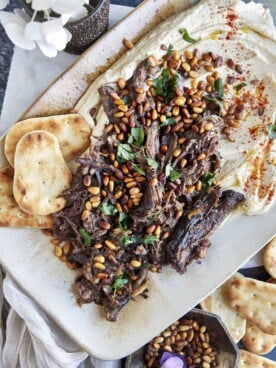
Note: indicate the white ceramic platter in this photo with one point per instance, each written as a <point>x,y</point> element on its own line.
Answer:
<point>28,255</point>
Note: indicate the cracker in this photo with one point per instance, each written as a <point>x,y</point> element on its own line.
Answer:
<point>250,360</point>
<point>10,213</point>
<point>40,174</point>
<point>72,132</point>
<point>269,258</point>
<point>217,303</point>
<point>257,341</point>
<point>254,300</point>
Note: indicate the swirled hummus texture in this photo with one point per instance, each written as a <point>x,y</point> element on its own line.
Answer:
<point>246,34</point>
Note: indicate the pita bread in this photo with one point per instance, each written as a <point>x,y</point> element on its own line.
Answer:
<point>217,303</point>
<point>250,360</point>
<point>10,214</point>
<point>257,341</point>
<point>72,132</point>
<point>40,174</point>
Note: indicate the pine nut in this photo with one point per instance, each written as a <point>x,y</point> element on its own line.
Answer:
<point>121,83</point>
<point>110,245</point>
<point>99,259</point>
<point>94,190</point>
<point>58,251</point>
<point>128,44</point>
<point>85,215</point>
<point>135,263</point>
<point>99,266</point>
<point>201,157</point>
<point>153,182</point>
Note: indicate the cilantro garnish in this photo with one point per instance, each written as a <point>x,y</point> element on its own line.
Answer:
<point>138,169</point>
<point>152,163</point>
<point>85,236</point>
<point>218,86</point>
<point>171,173</point>
<point>137,137</point>
<point>168,121</point>
<point>186,36</point>
<point>271,130</point>
<point>119,283</point>
<point>129,240</point>
<point>108,209</point>
<point>164,85</point>
<point>123,221</point>
<point>170,49</point>
<point>207,180</point>
<point>124,152</point>
<point>239,86</point>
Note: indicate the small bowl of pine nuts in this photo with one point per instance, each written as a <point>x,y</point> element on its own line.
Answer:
<point>199,339</point>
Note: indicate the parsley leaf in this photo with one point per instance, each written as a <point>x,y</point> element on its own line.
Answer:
<point>85,236</point>
<point>186,36</point>
<point>119,283</point>
<point>127,99</point>
<point>168,121</point>
<point>170,49</point>
<point>238,87</point>
<point>152,163</point>
<point>271,130</point>
<point>171,173</point>
<point>137,137</point>
<point>164,85</point>
<point>129,240</point>
<point>214,100</point>
<point>138,169</point>
<point>123,221</point>
<point>124,152</point>
<point>207,180</point>
<point>219,87</point>
<point>108,209</point>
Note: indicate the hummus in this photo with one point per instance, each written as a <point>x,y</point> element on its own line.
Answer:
<point>246,34</point>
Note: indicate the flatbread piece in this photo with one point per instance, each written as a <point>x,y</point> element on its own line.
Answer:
<point>40,174</point>
<point>250,360</point>
<point>72,132</point>
<point>257,341</point>
<point>269,258</point>
<point>10,213</point>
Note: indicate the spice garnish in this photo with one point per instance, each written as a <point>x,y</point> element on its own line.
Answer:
<point>85,236</point>
<point>152,163</point>
<point>186,36</point>
<point>171,173</point>
<point>169,121</point>
<point>207,180</point>
<point>219,87</point>
<point>136,137</point>
<point>239,86</point>
<point>170,48</point>
<point>118,283</point>
<point>138,169</point>
<point>123,221</point>
<point>108,209</point>
<point>129,240</point>
<point>271,130</point>
<point>124,152</point>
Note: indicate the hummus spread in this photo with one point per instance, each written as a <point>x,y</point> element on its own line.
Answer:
<point>234,30</point>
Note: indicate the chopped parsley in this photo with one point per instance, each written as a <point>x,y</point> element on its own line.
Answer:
<point>168,121</point>
<point>239,86</point>
<point>129,240</point>
<point>124,152</point>
<point>271,130</point>
<point>108,209</point>
<point>137,137</point>
<point>119,282</point>
<point>171,173</point>
<point>138,169</point>
<point>127,99</point>
<point>185,35</point>
<point>218,85</point>
<point>85,236</point>
<point>152,163</point>
<point>164,85</point>
<point>207,180</point>
<point>123,221</point>
<point>170,49</point>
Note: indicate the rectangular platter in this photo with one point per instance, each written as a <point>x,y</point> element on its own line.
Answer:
<point>28,255</point>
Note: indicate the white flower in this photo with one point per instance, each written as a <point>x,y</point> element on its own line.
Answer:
<point>3,3</point>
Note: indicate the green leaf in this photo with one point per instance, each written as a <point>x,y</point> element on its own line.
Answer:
<point>239,86</point>
<point>129,240</point>
<point>169,121</point>
<point>207,180</point>
<point>218,86</point>
<point>127,99</point>
<point>85,236</point>
<point>171,173</point>
<point>170,49</point>
<point>137,137</point>
<point>271,130</point>
<point>214,100</point>
<point>138,169</point>
<point>186,36</point>
<point>164,85</point>
<point>152,163</point>
<point>123,221</point>
<point>124,152</point>
<point>108,209</point>
<point>119,283</point>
